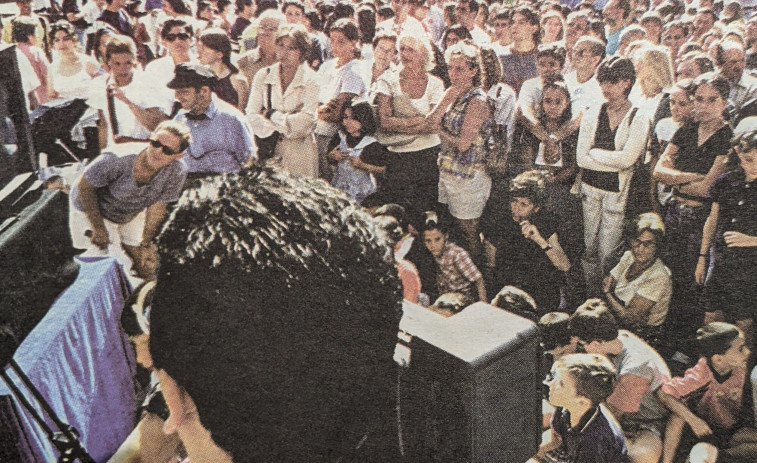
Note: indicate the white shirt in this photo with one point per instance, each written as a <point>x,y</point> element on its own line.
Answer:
<point>585,95</point>
<point>653,284</point>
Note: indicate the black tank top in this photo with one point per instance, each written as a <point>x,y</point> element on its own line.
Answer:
<point>226,91</point>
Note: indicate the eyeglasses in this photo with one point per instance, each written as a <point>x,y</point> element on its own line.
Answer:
<point>673,37</point>
<point>166,150</point>
<point>180,36</point>
<point>709,100</point>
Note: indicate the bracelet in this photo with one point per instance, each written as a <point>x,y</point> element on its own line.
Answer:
<point>546,248</point>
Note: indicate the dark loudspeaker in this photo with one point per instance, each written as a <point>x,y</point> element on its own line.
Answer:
<point>14,120</point>
<point>471,391</point>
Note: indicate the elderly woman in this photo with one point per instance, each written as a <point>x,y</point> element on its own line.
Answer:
<point>524,248</point>
<point>264,54</point>
<point>284,99</point>
<point>639,288</point>
<point>405,97</point>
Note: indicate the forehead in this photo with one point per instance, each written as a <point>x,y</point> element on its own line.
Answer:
<point>177,30</point>
<point>121,57</point>
<point>167,138</point>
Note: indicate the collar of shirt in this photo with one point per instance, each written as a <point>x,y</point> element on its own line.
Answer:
<point>209,113</point>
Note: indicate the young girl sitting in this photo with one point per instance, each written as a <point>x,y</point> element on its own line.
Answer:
<point>457,272</point>
<point>359,156</point>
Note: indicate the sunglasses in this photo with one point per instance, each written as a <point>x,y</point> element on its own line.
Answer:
<point>181,36</point>
<point>166,150</point>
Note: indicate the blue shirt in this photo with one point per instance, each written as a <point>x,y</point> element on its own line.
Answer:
<point>613,42</point>
<point>221,143</point>
<point>597,438</point>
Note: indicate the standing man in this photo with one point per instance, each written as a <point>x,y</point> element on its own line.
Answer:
<point>731,61</point>
<point>222,139</point>
<point>615,14</point>
<point>130,105</point>
<point>467,10</point>
<point>121,201</point>
<point>582,83</point>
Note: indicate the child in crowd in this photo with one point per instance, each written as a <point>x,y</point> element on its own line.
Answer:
<point>582,430</point>
<point>359,156</point>
<point>707,401</point>
<point>456,271</point>
<point>641,372</point>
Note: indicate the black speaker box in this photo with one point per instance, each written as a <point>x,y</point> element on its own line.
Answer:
<point>471,392</point>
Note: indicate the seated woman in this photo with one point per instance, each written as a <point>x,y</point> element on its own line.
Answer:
<point>524,250</point>
<point>638,289</point>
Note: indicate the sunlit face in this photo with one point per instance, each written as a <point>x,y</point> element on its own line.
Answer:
<point>341,47</point>
<point>294,14</point>
<point>522,208</point>
<point>548,67</point>
<point>434,241</point>
<point>465,15</point>
<point>460,72</point>
<point>267,30</point>
<point>522,29</point>
<point>411,54</point>
<point>576,28</point>
<point>385,51</point>
<point>157,157</point>
<point>178,40</point>
<point>748,160</point>
<point>206,55</point>
<point>681,106</point>
<point>190,99</point>
<point>287,53</point>
<point>554,103</point>
<point>562,388</point>
<point>583,56</point>
<point>552,29</point>
<point>501,29</point>
<point>615,91</point>
<point>121,66</point>
<point>644,248</point>
<point>708,104</point>
<point>653,30</point>
<point>732,64</point>
<point>351,125</point>
<point>674,38</point>
<point>62,42</point>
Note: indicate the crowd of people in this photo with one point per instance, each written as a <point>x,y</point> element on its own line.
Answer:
<point>600,150</point>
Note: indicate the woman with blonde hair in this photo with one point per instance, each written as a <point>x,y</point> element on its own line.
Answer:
<point>284,99</point>
<point>405,97</point>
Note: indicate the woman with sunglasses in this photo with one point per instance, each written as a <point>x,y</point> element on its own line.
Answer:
<point>731,229</point>
<point>176,36</point>
<point>120,202</point>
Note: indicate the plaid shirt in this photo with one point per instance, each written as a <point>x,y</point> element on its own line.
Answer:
<point>457,271</point>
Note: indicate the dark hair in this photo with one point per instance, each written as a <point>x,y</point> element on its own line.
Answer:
<point>593,321</point>
<point>346,26</point>
<point>94,45</point>
<point>614,69</point>
<point>384,35</point>
<point>598,27</point>
<point>597,46</point>
<point>265,278</point>
<point>555,51</point>
<point>431,221</point>
<point>558,84</point>
<point>703,61</point>
<point>457,29</point>
<point>343,9</point>
<point>315,19</point>
<point>396,211</point>
<point>675,24</point>
<point>491,66</point>
<point>240,4</point>
<point>385,11</point>
<point>201,6</point>
<point>23,27</point>
<point>595,376</point>
<point>651,16</point>
<point>366,21</point>
<point>120,44</point>
<point>712,14</point>
<point>217,39</point>
<point>391,226</point>
<point>180,7</point>
<point>553,328</point>
<point>363,113</point>
<point>171,23</point>
<point>61,25</point>
<point>295,3</point>
<point>715,338</point>
<point>714,80</point>
<point>531,185</point>
<point>515,300</point>
<point>532,17</point>
<point>135,314</point>
<point>453,301</point>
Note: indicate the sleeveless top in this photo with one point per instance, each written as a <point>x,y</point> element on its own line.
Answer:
<point>69,87</point>
<point>465,164</point>
<point>604,138</point>
<point>226,91</point>
<point>357,183</point>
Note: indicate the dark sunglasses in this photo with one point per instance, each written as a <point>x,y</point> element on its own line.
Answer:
<point>166,150</point>
<point>181,36</point>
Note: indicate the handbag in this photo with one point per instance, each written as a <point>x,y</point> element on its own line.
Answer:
<point>267,145</point>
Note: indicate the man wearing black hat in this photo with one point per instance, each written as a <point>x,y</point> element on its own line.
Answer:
<point>222,139</point>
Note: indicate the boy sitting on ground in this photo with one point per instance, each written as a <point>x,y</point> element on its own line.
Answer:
<point>709,397</point>
<point>582,430</point>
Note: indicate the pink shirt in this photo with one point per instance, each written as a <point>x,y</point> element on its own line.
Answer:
<point>720,404</point>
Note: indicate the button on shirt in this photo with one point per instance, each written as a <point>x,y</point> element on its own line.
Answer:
<point>221,143</point>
